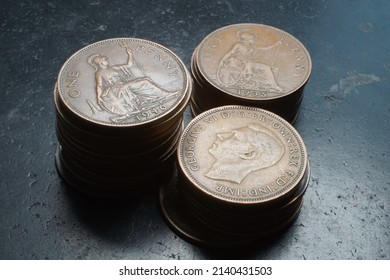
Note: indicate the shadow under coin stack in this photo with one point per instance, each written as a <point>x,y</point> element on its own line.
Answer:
<point>119,105</point>
<point>242,174</point>
<point>251,65</point>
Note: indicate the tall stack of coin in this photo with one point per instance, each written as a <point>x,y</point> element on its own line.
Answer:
<point>250,65</point>
<point>119,105</point>
<point>242,173</point>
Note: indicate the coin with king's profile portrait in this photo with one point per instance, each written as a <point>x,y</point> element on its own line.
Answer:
<point>242,151</point>
<point>242,154</point>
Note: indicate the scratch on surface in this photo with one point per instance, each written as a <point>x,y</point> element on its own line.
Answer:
<point>366,27</point>
<point>95,3</point>
<point>102,27</point>
<point>352,81</point>
<point>32,183</point>
<point>14,113</point>
<point>229,5</point>
<point>304,14</point>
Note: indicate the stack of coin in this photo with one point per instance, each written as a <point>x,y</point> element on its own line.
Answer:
<point>119,107</point>
<point>242,174</point>
<point>250,65</point>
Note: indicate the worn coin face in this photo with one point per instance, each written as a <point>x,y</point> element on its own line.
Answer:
<point>253,61</point>
<point>123,82</point>
<point>242,155</point>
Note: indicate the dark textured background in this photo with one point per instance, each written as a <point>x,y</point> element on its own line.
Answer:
<point>344,122</point>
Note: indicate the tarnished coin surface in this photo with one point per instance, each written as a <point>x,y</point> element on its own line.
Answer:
<point>242,155</point>
<point>123,82</point>
<point>253,61</point>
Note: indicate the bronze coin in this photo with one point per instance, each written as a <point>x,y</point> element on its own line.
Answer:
<point>130,138</point>
<point>242,173</point>
<point>242,155</point>
<point>117,148</point>
<point>286,108</point>
<point>253,61</point>
<point>185,225</point>
<point>123,82</point>
<point>90,186</point>
<point>176,214</point>
<point>121,159</point>
<point>247,221</point>
<point>218,209</point>
<point>119,108</point>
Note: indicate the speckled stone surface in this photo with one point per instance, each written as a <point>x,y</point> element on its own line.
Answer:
<point>344,122</point>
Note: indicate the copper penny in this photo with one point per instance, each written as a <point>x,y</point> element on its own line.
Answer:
<point>123,82</point>
<point>253,61</point>
<point>243,155</point>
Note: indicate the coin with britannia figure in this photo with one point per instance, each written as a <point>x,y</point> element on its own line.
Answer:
<point>123,82</point>
<point>119,115</point>
<point>253,61</point>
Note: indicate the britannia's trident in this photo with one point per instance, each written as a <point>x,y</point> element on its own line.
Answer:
<point>277,50</point>
<point>126,46</point>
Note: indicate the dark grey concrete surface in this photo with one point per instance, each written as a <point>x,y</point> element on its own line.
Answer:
<point>344,122</point>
